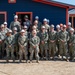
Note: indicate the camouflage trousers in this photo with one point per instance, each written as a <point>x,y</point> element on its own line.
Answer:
<point>10,51</point>
<point>44,49</point>
<point>72,51</point>
<point>34,51</point>
<point>63,49</point>
<point>2,49</point>
<point>23,51</point>
<point>16,50</point>
<point>52,49</point>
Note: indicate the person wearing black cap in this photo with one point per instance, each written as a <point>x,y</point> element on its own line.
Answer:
<point>27,22</point>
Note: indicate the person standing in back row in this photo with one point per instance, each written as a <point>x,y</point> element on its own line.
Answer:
<point>15,23</point>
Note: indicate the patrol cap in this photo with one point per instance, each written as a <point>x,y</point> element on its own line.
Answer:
<point>69,23</point>
<point>15,28</point>
<point>36,17</point>
<point>34,27</point>
<point>43,27</point>
<point>64,26</point>
<point>25,27</point>
<point>58,26</point>
<point>2,25</point>
<point>15,16</point>
<point>5,23</point>
<point>34,31</point>
<point>61,25</point>
<point>22,31</point>
<point>71,29</point>
<point>45,20</point>
<point>48,20</point>
<point>35,21</point>
<point>52,26</point>
<point>9,31</point>
<point>25,16</point>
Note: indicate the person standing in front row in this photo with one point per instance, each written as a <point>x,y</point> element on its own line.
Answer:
<point>10,45</point>
<point>34,46</point>
<point>43,42</point>
<point>23,41</point>
<point>52,42</point>
<point>63,38</point>
<point>72,45</point>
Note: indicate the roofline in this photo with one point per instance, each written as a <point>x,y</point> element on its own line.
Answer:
<point>58,4</point>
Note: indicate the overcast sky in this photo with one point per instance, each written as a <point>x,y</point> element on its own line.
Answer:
<point>67,1</point>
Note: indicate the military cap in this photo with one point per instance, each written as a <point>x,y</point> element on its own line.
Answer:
<point>69,23</point>
<point>52,26</point>
<point>22,31</point>
<point>34,27</point>
<point>43,27</point>
<point>45,20</point>
<point>36,21</point>
<point>9,31</point>
<point>25,27</point>
<point>61,25</point>
<point>15,16</point>
<point>5,23</point>
<point>15,28</point>
<point>71,29</point>
<point>64,26</point>
<point>36,17</point>
<point>58,26</point>
<point>2,25</point>
<point>25,16</point>
<point>48,20</point>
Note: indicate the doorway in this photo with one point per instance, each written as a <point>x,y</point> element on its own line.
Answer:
<point>22,14</point>
<point>72,19</point>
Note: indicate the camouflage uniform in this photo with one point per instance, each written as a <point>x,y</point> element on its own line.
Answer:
<point>52,43</point>
<point>34,41</point>
<point>15,24</point>
<point>44,46</point>
<point>3,34</point>
<point>10,46</point>
<point>57,42</point>
<point>16,47</point>
<point>63,38</point>
<point>72,46</point>
<point>23,41</point>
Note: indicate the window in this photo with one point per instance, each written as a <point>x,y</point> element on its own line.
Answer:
<point>11,1</point>
<point>3,17</point>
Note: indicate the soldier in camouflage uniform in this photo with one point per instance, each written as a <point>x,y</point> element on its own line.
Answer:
<point>57,41</point>
<point>34,46</point>
<point>16,47</point>
<point>0,45</point>
<point>52,42</point>
<point>43,42</point>
<point>23,41</point>
<point>46,24</point>
<point>5,27</point>
<point>25,29</point>
<point>39,23</point>
<point>15,23</point>
<point>63,38</point>
<point>72,44</point>
<point>3,34</point>
<point>10,45</point>
<point>69,27</point>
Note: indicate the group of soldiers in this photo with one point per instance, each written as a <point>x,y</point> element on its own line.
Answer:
<point>36,41</point>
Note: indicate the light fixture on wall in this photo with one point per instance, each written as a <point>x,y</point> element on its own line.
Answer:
<point>11,1</point>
